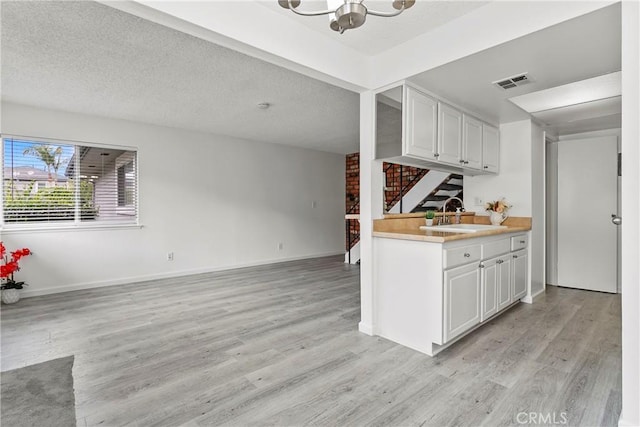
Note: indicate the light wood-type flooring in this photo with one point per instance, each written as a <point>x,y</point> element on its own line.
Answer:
<point>278,345</point>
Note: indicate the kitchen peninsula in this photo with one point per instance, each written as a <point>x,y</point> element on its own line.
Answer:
<point>434,287</point>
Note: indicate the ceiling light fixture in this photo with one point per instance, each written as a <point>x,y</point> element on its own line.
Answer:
<point>347,14</point>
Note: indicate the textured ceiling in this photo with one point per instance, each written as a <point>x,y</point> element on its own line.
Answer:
<point>578,49</point>
<point>380,34</point>
<point>90,58</point>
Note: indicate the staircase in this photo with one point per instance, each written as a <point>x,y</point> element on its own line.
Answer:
<point>451,186</point>
<point>405,189</point>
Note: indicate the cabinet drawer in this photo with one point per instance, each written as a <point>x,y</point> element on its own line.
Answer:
<point>519,242</point>
<point>460,256</point>
<point>493,249</point>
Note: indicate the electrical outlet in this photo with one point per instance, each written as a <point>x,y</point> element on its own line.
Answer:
<point>169,256</point>
<point>280,246</point>
<point>479,201</point>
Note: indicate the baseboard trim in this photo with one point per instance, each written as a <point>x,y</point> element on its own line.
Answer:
<point>530,298</point>
<point>27,293</point>
<point>365,328</point>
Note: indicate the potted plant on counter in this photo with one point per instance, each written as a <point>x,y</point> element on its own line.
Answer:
<point>10,288</point>
<point>497,211</point>
<point>428,216</point>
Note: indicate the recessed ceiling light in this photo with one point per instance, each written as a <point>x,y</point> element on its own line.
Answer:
<point>601,87</point>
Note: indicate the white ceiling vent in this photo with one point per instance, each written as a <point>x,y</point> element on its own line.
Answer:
<point>513,81</point>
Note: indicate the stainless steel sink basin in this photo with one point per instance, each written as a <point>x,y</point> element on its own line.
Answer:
<point>463,228</point>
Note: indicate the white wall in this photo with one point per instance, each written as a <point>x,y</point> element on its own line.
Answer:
<point>216,202</point>
<point>630,415</point>
<point>521,182</point>
<point>514,181</point>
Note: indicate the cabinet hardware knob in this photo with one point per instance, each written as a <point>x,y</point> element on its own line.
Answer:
<point>462,162</point>
<point>466,162</point>
<point>523,242</point>
<point>486,167</point>
<point>500,261</point>
<point>436,155</point>
<point>515,256</point>
<point>481,265</point>
<point>467,255</point>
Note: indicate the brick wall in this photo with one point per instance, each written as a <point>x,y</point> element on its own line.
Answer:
<point>352,200</point>
<point>393,172</point>
<point>352,179</point>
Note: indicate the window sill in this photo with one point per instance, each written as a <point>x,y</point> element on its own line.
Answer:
<point>65,227</point>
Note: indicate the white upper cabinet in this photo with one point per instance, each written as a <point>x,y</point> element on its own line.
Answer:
<point>420,137</point>
<point>449,134</point>
<point>490,149</point>
<point>472,134</point>
<point>416,128</point>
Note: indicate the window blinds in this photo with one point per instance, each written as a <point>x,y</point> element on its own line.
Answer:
<point>45,182</point>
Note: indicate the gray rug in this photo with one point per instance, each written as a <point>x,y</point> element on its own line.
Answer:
<point>39,395</point>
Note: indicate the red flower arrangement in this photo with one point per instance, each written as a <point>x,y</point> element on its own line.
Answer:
<point>10,266</point>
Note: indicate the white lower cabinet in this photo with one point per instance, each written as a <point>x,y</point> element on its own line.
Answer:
<point>496,285</point>
<point>461,300</point>
<point>520,266</point>
<point>504,282</point>
<point>430,294</point>
<point>489,289</point>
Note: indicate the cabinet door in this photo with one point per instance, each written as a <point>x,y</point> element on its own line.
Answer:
<point>489,289</point>
<point>449,134</point>
<point>421,114</point>
<point>504,282</point>
<point>471,142</point>
<point>490,149</point>
<point>461,300</point>
<point>519,277</point>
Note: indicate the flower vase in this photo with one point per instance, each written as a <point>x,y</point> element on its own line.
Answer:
<point>429,222</point>
<point>10,296</point>
<point>497,218</point>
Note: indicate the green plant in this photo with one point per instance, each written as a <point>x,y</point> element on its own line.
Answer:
<point>429,214</point>
<point>47,204</point>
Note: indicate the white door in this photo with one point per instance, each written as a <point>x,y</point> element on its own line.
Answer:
<point>587,197</point>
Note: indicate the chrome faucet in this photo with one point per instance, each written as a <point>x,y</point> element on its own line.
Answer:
<point>445,218</point>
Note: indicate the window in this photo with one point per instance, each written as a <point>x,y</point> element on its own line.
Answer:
<point>126,185</point>
<point>60,182</point>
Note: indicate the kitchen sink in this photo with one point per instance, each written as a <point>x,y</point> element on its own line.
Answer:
<point>463,228</point>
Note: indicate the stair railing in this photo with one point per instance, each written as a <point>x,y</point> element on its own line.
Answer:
<point>403,187</point>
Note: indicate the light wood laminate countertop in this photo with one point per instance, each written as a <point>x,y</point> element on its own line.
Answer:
<point>408,229</point>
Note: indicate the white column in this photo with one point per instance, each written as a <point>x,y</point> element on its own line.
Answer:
<point>370,208</point>
<point>630,415</point>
